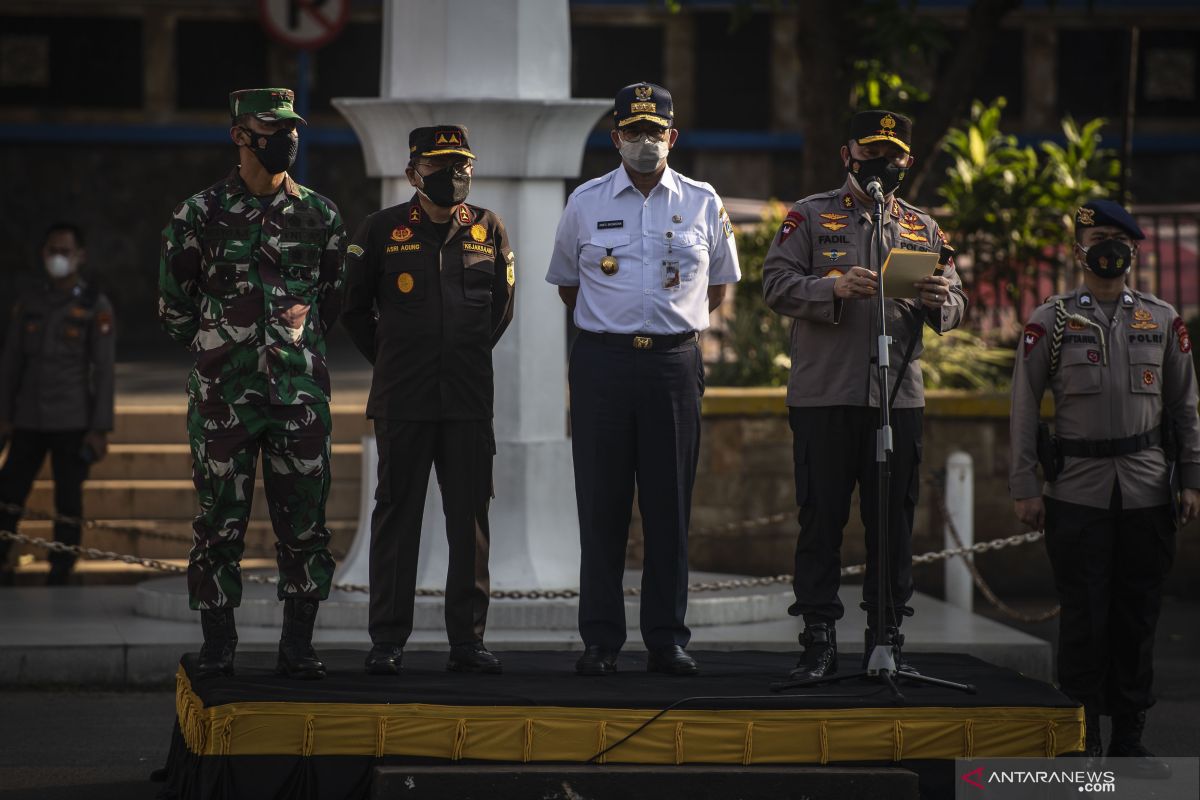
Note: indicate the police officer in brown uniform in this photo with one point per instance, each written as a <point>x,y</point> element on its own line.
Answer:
<point>429,291</point>
<point>56,390</point>
<point>817,272</point>
<point>1117,361</point>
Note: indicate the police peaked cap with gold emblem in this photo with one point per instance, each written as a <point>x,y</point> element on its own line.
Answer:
<point>643,102</point>
<point>439,140</point>
<point>881,126</point>
<point>1107,212</point>
<point>268,105</point>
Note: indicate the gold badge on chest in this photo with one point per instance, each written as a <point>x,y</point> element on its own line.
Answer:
<point>1143,320</point>
<point>608,265</point>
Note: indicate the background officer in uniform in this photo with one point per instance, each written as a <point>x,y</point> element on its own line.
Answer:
<point>642,256</point>
<point>56,390</point>
<point>248,281</point>
<point>429,292</point>
<point>816,272</point>
<point>1116,360</point>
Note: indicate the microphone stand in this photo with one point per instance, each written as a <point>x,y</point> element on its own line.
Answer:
<point>881,664</point>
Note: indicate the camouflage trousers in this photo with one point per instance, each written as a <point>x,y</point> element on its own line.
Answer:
<point>225,442</point>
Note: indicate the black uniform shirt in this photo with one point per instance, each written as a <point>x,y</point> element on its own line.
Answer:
<point>426,310</point>
<point>57,367</point>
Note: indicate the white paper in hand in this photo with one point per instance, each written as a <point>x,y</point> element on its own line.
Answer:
<point>903,268</point>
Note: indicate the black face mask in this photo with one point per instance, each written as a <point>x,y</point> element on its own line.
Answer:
<point>1108,259</point>
<point>447,187</point>
<point>890,176</point>
<point>280,151</point>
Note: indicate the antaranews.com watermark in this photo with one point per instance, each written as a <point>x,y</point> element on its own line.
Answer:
<point>1071,778</point>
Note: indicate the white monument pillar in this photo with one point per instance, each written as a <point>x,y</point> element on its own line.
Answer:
<point>501,68</point>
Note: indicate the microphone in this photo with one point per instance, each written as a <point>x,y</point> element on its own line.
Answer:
<point>875,189</point>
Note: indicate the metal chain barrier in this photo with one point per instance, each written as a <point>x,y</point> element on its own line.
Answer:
<point>534,594</point>
<point>980,583</point>
<point>93,525</point>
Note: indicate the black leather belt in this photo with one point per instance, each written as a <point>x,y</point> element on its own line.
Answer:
<point>641,341</point>
<point>1109,448</point>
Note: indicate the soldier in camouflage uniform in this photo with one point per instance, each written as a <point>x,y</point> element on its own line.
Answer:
<point>249,282</point>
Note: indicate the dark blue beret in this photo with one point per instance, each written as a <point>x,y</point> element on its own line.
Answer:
<point>1107,212</point>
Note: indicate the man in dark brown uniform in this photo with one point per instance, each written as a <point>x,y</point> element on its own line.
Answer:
<point>429,292</point>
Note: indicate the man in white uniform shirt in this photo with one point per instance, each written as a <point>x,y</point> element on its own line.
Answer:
<point>642,256</point>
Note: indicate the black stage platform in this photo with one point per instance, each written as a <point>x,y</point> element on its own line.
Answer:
<point>260,735</point>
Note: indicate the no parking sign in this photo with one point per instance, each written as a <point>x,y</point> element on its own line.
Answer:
<point>303,24</point>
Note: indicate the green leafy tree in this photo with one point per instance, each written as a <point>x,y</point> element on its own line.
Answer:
<point>1010,206</point>
<point>754,340</point>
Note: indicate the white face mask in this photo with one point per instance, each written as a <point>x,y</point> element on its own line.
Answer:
<point>58,266</point>
<point>644,155</point>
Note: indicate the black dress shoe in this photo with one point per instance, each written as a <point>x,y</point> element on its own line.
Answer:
<point>820,652</point>
<point>597,660</point>
<point>672,660</point>
<point>385,659</point>
<point>473,657</point>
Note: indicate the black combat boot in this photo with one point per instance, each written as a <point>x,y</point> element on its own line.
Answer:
<point>892,636</point>
<point>820,652</point>
<point>1093,745</point>
<point>297,659</point>
<point>1127,743</point>
<point>220,642</point>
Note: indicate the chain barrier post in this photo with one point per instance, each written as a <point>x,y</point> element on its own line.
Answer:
<point>960,507</point>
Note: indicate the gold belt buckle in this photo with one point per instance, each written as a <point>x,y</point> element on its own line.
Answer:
<point>642,343</point>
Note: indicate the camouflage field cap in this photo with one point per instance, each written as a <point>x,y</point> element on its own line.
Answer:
<point>268,105</point>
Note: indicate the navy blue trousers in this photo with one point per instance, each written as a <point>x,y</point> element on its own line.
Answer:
<point>635,420</point>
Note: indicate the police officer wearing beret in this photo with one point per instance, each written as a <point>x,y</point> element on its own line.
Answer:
<point>56,390</point>
<point>818,272</point>
<point>642,255</point>
<point>1117,361</point>
<point>248,282</point>
<point>429,292</point>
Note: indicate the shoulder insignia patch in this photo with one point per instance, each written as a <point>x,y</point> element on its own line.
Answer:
<point>1033,334</point>
<point>104,323</point>
<point>1181,333</point>
<point>355,251</point>
<point>414,214</point>
<point>790,223</point>
<point>464,215</point>
<point>847,200</point>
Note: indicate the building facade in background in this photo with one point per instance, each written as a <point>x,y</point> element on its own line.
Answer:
<point>112,109</point>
